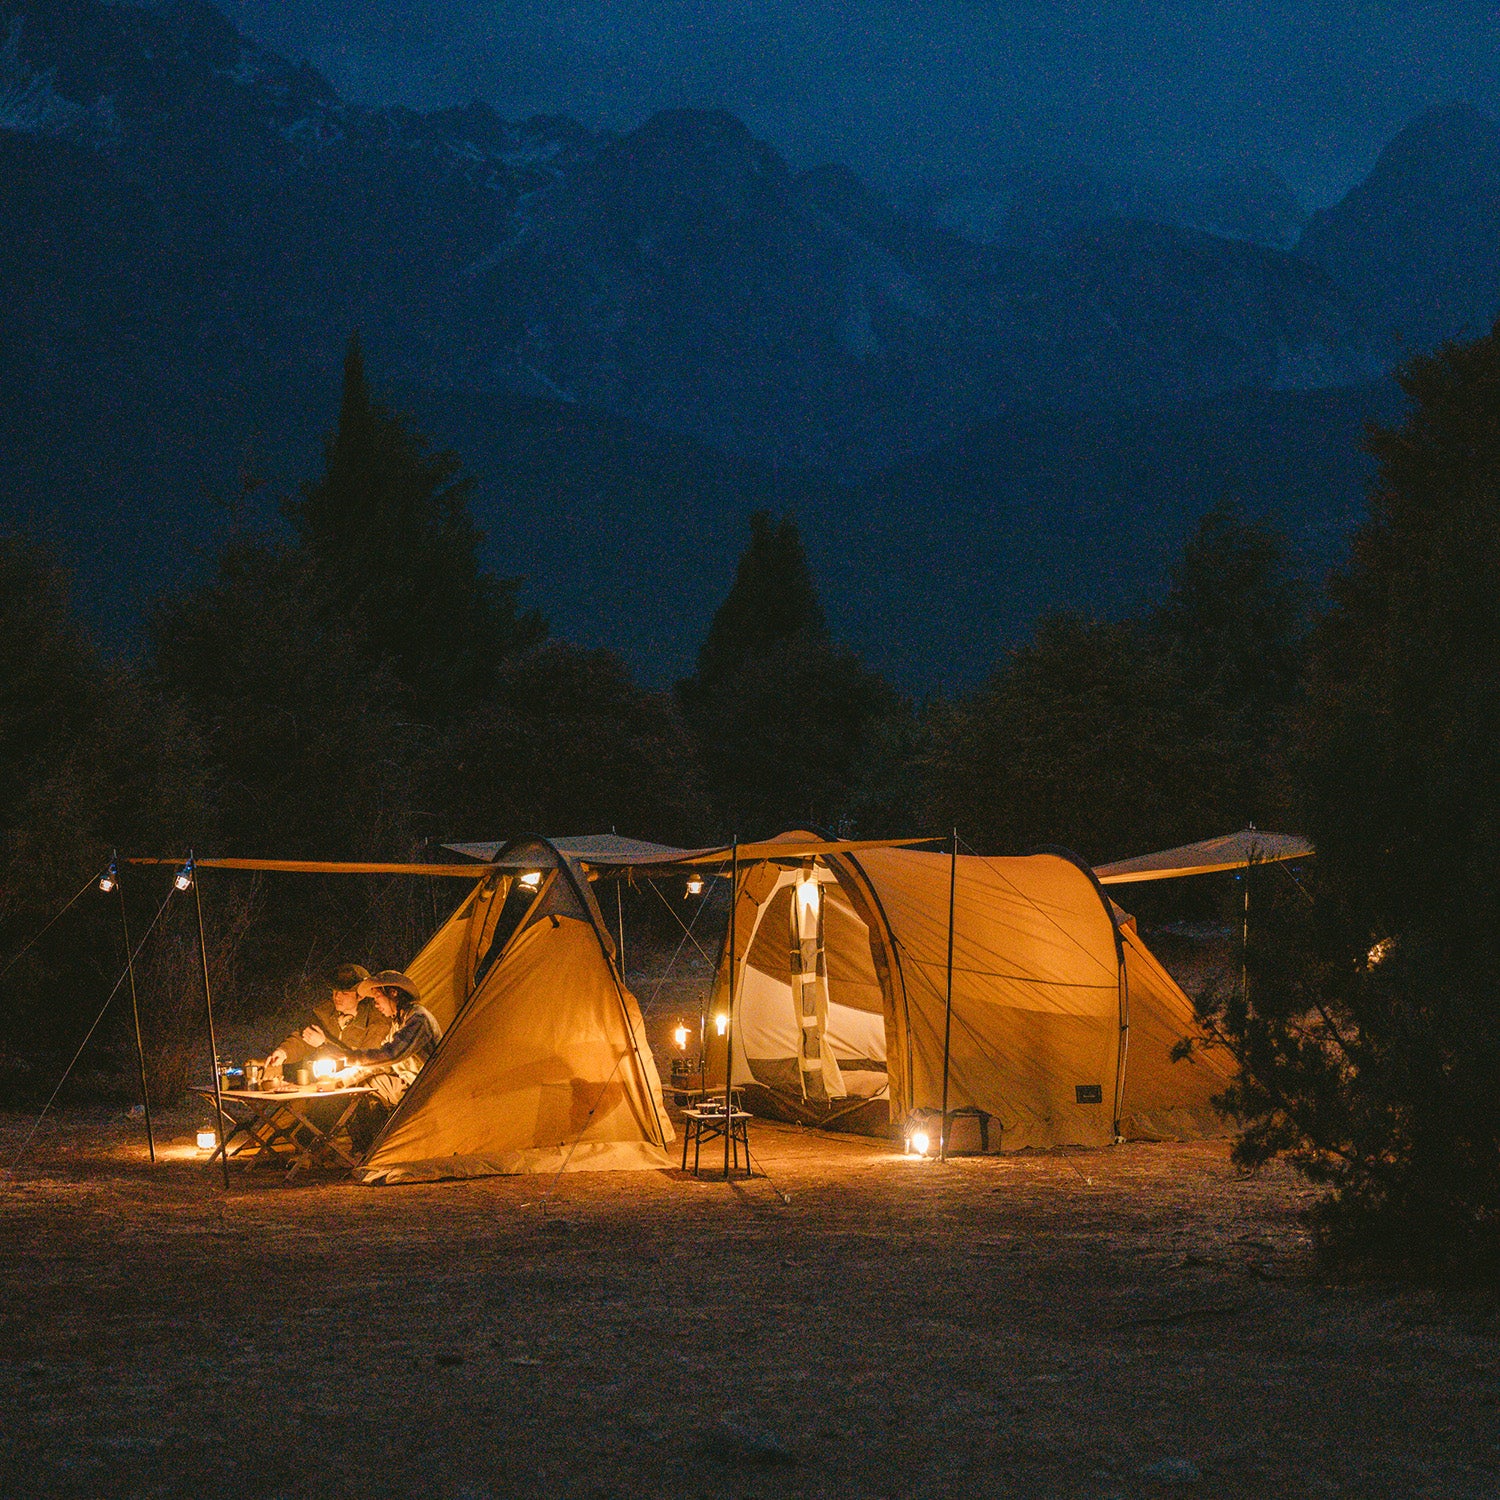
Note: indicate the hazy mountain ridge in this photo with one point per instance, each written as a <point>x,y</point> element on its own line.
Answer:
<point>681,274</point>
<point>195,224</point>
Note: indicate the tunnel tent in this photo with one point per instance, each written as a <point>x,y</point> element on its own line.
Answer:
<point>1062,1022</point>
<point>544,1062</point>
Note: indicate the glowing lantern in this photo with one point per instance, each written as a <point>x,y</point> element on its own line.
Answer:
<point>207,1140</point>
<point>532,879</point>
<point>807,898</point>
<point>695,885</point>
<point>721,1024</point>
<point>324,1067</point>
<point>680,1037</point>
<point>184,880</point>
<point>110,879</point>
<point>919,1141</point>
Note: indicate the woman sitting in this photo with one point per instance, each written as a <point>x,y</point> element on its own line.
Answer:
<point>414,1035</point>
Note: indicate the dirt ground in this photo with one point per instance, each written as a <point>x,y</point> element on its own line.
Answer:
<point>1133,1322</point>
<point>1128,1323</point>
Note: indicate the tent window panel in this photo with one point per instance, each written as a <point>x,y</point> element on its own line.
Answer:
<point>519,901</point>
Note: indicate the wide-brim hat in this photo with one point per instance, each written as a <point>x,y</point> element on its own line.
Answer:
<point>348,976</point>
<point>394,979</point>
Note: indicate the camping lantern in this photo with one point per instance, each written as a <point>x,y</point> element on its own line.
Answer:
<point>207,1140</point>
<point>721,1024</point>
<point>680,1036</point>
<point>807,898</point>
<point>324,1067</point>
<point>110,878</point>
<point>532,879</point>
<point>695,885</point>
<point>184,880</point>
<point>919,1142</point>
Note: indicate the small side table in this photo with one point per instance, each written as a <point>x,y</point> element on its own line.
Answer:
<point>705,1123</point>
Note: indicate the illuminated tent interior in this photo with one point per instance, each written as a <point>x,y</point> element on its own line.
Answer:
<point>1062,1022</point>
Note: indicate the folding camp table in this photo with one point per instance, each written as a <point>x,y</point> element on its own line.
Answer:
<point>299,1123</point>
<point>705,1122</point>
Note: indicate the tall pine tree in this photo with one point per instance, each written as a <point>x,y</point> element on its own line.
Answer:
<point>785,722</point>
<point>390,532</point>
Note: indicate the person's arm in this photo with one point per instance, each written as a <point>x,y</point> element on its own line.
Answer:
<point>401,1043</point>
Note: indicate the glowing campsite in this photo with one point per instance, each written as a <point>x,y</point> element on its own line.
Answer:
<point>953,1002</point>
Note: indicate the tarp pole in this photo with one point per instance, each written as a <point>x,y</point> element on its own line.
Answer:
<point>734,901</point>
<point>213,1044</point>
<point>948,1009</point>
<point>620,921</point>
<point>135,1011</point>
<point>1245,941</point>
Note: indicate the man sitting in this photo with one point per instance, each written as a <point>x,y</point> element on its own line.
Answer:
<point>347,1019</point>
<point>413,1040</point>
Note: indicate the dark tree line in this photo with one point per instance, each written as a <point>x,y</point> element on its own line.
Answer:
<point>362,687</point>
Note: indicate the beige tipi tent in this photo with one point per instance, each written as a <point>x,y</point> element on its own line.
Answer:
<point>544,1062</point>
<point>1061,1023</point>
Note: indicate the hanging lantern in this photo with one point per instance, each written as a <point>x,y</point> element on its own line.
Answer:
<point>184,880</point>
<point>721,1023</point>
<point>695,885</point>
<point>680,1036</point>
<point>110,878</point>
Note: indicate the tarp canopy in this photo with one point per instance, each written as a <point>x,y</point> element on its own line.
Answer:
<point>1062,1021</point>
<point>544,1062</point>
<point>1230,851</point>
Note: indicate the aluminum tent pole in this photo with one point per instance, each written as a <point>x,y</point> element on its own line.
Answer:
<point>135,1011</point>
<point>213,1045</point>
<point>620,921</point>
<point>734,901</point>
<point>948,1007</point>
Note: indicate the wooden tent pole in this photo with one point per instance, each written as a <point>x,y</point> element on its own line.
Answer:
<point>135,1011</point>
<point>948,1008</point>
<point>734,901</point>
<point>213,1044</point>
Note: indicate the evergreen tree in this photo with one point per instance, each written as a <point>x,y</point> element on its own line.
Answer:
<point>785,722</point>
<point>1234,614</point>
<point>1234,619</point>
<point>389,529</point>
<point>1371,1036</point>
<point>90,759</point>
<point>773,599</point>
<point>1084,737</point>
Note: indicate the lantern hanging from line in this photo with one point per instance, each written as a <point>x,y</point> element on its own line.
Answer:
<point>695,885</point>
<point>207,1140</point>
<point>110,878</point>
<point>680,1036</point>
<point>184,880</point>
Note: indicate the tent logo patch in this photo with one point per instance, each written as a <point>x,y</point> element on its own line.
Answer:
<point>1089,1093</point>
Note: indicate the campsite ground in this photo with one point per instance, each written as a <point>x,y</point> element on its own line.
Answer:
<point>1093,1324</point>
<point>1138,1322</point>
